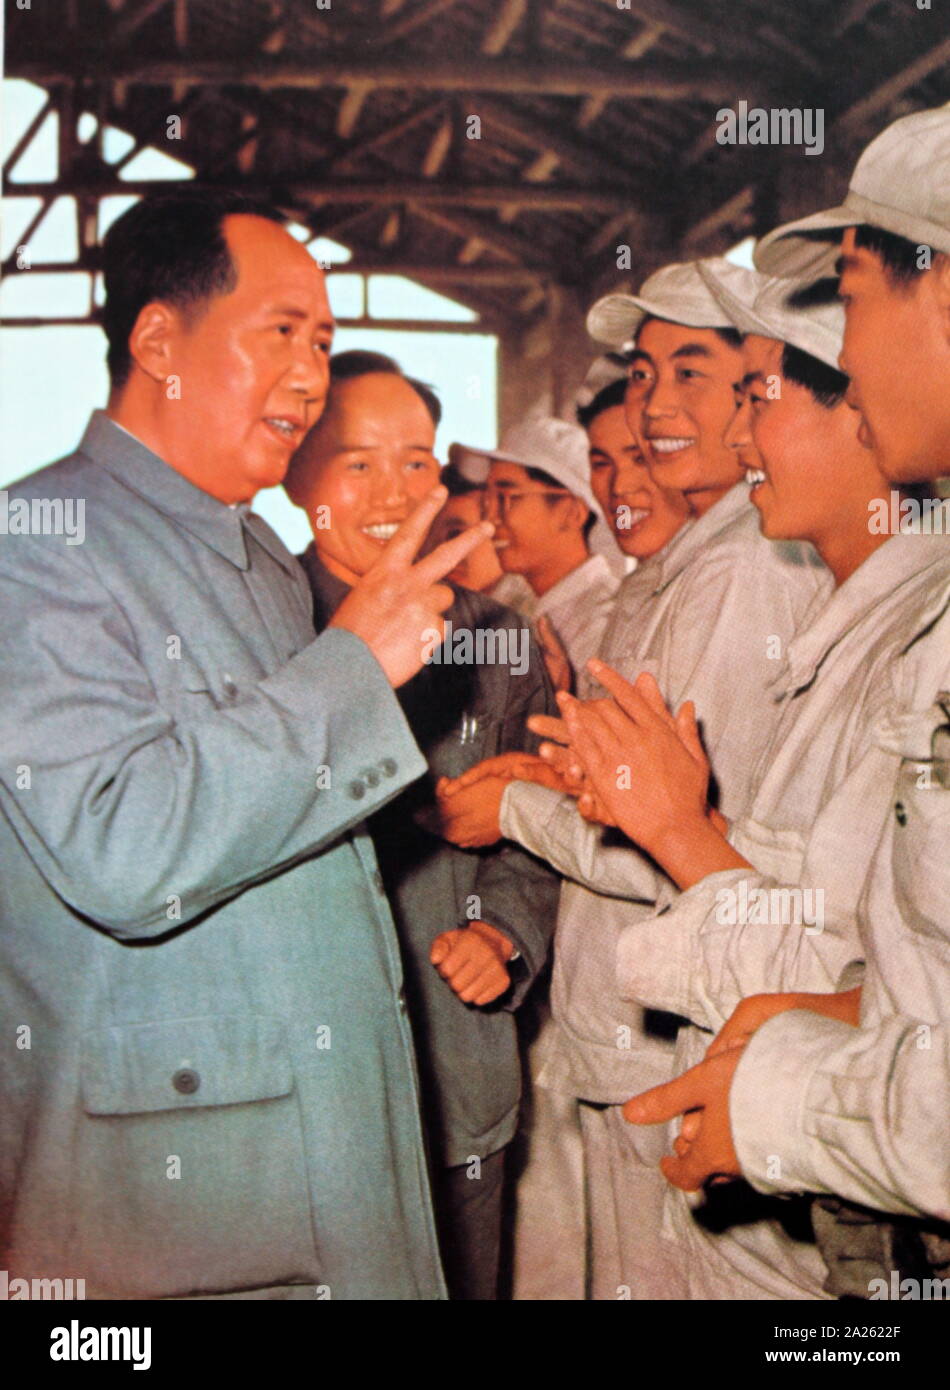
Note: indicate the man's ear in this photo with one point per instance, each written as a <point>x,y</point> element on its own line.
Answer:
<point>575,514</point>
<point>151,342</point>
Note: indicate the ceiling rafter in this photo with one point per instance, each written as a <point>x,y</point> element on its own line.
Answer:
<point>709,80</point>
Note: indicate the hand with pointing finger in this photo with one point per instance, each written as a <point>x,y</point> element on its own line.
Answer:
<point>705,1148</point>
<point>396,607</point>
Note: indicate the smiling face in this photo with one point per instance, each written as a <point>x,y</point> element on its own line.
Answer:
<point>818,476</point>
<point>533,520</point>
<point>368,462</point>
<point>897,354</point>
<point>252,365</point>
<point>643,515</point>
<point>680,400</point>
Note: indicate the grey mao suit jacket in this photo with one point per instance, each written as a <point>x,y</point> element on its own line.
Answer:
<point>208,1078</point>
<point>459,714</point>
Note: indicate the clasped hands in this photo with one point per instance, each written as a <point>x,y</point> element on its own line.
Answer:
<point>627,760</point>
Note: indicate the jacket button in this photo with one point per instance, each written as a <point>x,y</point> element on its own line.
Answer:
<point>186,1081</point>
<point>388,767</point>
<point>401,1000</point>
<point>900,811</point>
<point>370,776</point>
<point>357,790</point>
<point>230,687</point>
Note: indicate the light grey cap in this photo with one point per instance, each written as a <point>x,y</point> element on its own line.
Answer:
<point>901,184</point>
<point>601,373</point>
<point>554,445</point>
<point>677,293</point>
<point>808,316</point>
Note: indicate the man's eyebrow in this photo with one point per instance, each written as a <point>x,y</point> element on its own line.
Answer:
<point>691,350</point>
<point>637,354</point>
<point>291,311</point>
<point>750,377</point>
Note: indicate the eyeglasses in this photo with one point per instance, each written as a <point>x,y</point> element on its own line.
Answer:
<point>504,498</point>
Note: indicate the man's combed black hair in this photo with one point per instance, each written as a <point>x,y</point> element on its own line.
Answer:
<point>826,384</point>
<point>170,248</point>
<point>607,397</point>
<point>345,366</point>
<point>899,256</point>
<point>732,336</point>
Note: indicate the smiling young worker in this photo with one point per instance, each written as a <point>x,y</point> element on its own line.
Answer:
<point>861,1114</point>
<point>538,497</point>
<point>482,922</point>
<point>824,787</point>
<point>714,604</point>
<point>192,927</point>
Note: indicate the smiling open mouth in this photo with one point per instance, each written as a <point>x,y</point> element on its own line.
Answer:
<point>754,476</point>
<point>382,532</point>
<point>288,429</point>
<point>670,445</point>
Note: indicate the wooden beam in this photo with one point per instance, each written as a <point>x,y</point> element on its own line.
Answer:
<point>583,156</point>
<point>319,192</point>
<point>854,13</point>
<point>123,29</point>
<point>23,141</point>
<point>504,24</point>
<point>439,147</point>
<point>503,242</point>
<point>348,112</point>
<point>889,90</point>
<point>180,23</point>
<point>372,144</point>
<point>432,9</point>
<point>700,81</point>
<point>635,48</point>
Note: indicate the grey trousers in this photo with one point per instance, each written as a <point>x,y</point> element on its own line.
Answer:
<point>468,1209</point>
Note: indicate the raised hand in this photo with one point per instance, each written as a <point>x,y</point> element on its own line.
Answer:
<point>649,770</point>
<point>396,607</point>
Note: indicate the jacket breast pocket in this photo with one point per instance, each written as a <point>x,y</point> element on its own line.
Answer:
<point>921,812</point>
<point>191,1175</point>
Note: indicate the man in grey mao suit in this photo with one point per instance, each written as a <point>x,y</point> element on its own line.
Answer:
<point>209,1088</point>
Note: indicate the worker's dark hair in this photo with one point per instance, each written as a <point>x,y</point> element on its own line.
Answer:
<point>732,336</point>
<point>344,366</point>
<point>607,397</point>
<point>826,383</point>
<point>168,247</point>
<point>899,256</point>
<point>457,484</point>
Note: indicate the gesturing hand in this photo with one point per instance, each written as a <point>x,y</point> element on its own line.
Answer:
<point>705,1149</point>
<point>396,607</point>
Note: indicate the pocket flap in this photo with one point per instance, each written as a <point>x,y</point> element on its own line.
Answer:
<point>183,1063</point>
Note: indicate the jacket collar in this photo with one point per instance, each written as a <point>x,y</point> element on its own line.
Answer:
<point>900,564</point>
<point>214,523</point>
<point>328,591</point>
<point>696,536</point>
